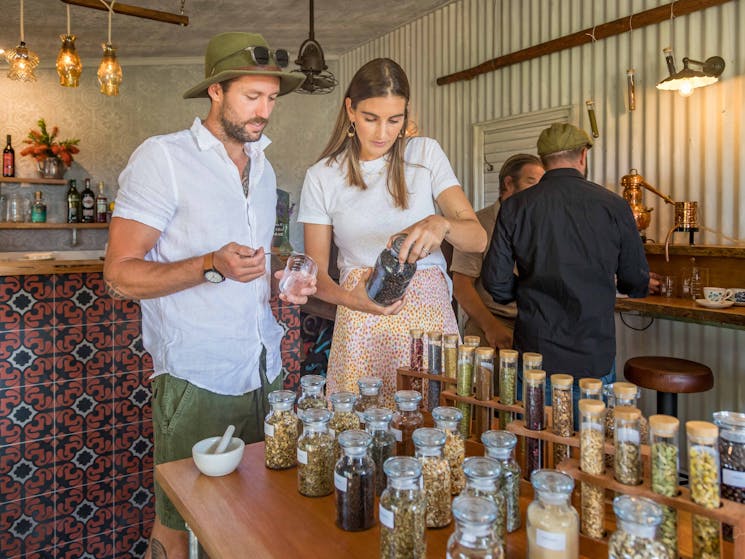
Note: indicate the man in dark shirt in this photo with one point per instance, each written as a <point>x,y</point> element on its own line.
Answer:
<point>574,244</point>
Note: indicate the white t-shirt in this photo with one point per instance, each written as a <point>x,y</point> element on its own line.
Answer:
<point>364,220</point>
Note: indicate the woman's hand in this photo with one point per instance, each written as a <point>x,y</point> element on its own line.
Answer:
<point>422,238</point>
<point>358,300</point>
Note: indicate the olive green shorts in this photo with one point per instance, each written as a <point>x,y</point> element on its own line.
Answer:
<point>184,414</point>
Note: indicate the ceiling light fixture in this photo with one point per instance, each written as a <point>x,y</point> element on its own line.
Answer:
<point>69,66</point>
<point>22,61</point>
<point>318,80</point>
<point>109,71</point>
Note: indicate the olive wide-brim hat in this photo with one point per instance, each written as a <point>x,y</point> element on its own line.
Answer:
<point>228,57</point>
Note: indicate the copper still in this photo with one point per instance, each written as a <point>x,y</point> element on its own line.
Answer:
<point>634,195</point>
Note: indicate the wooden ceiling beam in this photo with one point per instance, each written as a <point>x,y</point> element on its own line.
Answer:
<point>136,11</point>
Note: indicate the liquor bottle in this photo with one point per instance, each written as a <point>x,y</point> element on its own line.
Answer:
<point>102,205</point>
<point>39,209</point>
<point>9,159</point>
<point>73,203</point>
<point>88,201</point>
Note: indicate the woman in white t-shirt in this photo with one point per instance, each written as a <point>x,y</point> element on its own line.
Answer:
<point>371,183</point>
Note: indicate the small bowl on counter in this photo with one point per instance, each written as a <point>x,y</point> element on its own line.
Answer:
<point>214,465</point>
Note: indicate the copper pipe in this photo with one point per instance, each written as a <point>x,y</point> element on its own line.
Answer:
<point>653,190</point>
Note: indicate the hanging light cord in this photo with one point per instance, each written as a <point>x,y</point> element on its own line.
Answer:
<point>109,7</point>
<point>21,20</point>
<point>68,18</point>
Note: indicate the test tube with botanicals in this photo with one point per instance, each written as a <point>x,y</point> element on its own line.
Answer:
<point>464,385</point>
<point>500,445</point>
<point>623,394</point>
<point>416,356</point>
<point>507,383</point>
<point>280,431</point>
<point>315,454</point>
<point>406,419</point>
<point>403,510</point>
<point>448,420</point>
<point>483,377</point>
<point>472,341</point>
<point>562,420</point>
<point>627,464</point>
<point>590,389</point>
<point>369,388</point>
<point>703,479</point>
<point>434,367</point>
<point>450,355</point>
<point>664,462</point>
<point>592,461</point>
<point>535,417</point>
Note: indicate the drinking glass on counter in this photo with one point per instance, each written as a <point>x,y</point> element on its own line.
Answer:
<point>300,271</point>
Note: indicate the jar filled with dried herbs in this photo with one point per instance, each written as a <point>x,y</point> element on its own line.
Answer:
<point>637,521</point>
<point>406,419</point>
<point>416,356</point>
<point>483,476</point>
<point>535,419</point>
<point>627,464</point>
<point>344,418</point>
<point>354,479</point>
<point>500,445</point>
<point>507,383</point>
<point>562,414</point>
<point>402,511</point>
<point>311,393</point>
<point>703,480</point>
<point>280,431</point>
<point>622,394</point>
<point>591,440</point>
<point>590,389</point>
<point>664,449</point>
<point>450,355</point>
<point>369,388</point>
<point>483,383</point>
<point>434,367</point>
<point>732,453</point>
<point>315,454</point>
<point>390,278</point>
<point>383,446</point>
<point>448,419</point>
<point>435,474</point>
<point>552,523</point>
<point>473,537</point>
<point>464,375</point>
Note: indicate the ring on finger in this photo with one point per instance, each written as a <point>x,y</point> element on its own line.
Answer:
<point>425,251</point>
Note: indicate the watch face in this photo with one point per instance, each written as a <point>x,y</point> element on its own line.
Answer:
<point>213,276</point>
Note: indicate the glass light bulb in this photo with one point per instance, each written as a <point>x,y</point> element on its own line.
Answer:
<point>109,72</point>
<point>69,67</point>
<point>686,89</point>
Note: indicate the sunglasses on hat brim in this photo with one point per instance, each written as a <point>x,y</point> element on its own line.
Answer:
<point>261,56</point>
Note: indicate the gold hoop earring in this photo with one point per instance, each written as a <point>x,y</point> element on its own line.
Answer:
<point>402,133</point>
<point>351,130</point>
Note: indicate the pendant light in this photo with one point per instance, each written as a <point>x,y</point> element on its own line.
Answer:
<point>22,61</point>
<point>109,71</point>
<point>69,66</point>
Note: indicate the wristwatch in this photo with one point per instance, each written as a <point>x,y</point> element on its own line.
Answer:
<point>211,274</point>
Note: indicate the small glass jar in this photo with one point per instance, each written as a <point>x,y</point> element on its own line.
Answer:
<point>435,474</point>
<point>483,475</point>
<point>280,431</point>
<point>664,462</point>
<point>311,393</point>
<point>448,419</point>
<point>592,440</point>
<point>703,480</point>
<point>500,445</point>
<point>344,418</point>
<point>532,361</point>
<point>732,453</point>
<point>534,400</point>
<point>406,419</point>
<point>354,479</point>
<point>474,537</point>
<point>590,389</point>
<point>403,510</point>
<point>622,394</point>
<point>562,414</point>
<point>434,367</point>
<point>315,454</point>
<point>450,355</point>
<point>638,518</point>
<point>472,341</point>
<point>507,383</point>
<point>383,446</point>
<point>552,523</point>
<point>369,388</point>
<point>627,463</point>
<point>390,278</point>
<point>483,379</point>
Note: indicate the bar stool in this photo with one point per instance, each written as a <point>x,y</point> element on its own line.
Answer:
<point>669,376</point>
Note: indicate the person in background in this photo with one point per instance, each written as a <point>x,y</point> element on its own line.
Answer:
<point>371,183</point>
<point>190,238</point>
<point>492,322</point>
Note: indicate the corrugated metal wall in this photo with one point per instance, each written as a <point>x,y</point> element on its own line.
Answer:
<point>690,148</point>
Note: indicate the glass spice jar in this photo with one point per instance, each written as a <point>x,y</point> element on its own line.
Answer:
<point>450,355</point>
<point>311,393</point>
<point>591,440</point>
<point>315,454</point>
<point>703,480</point>
<point>383,446</point>
<point>344,418</point>
<point>390,278</point>
<point>634,538</point>
<point>622,394</point>
<point>562,414</point>
<point>435,474</point>
<point>664,450</point>
<point>500,445</point>
<point>369,388</point>
<point>590,389</point>
<point>416,356</point>
<point>483,387</point>
<point>472,341</point>
<point>627,463</point>
<point>732,454</point>
<point>448,420</point>
<point>507,383</point>
<point>534,400</point>
<point>434,367</point>
<point>473,537</point>
<point>354,479</point>
<point>464,385</point>
<point>406,419</point>
<point>483,476</point>
<point>552,523</point>
<point>402,511</point>
<point>280,431</point>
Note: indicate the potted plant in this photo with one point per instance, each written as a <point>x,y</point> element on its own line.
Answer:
<point>52,156</point>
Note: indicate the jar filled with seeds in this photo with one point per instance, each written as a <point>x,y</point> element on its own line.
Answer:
<point>464,385</point>
<point>434,367</point>
<point>637,519</point>
<point>344,418</point>
<point>435,474</point>
<point>354,479</point>
<point>416,349</point>
<point>500,445</point>
<point>280,431</point>
<point>590,389</point>
<point>627,464</point>
<point>483,480</point>
<point>369,388</point>
<point>664,449</point>
<point>562,414</point>
<point>315,454</point>
<point>450,355</point>
<point>507,382</point>
<point>535,420</point>
<point>732,454</point>
<point>402,511</point>
<point>703,480</point>
<point>406,419</point>
<point>622,394</point>
<point>592,439</point>
<point>552,523</point>
<point>483,386</point>
<point>311,393</point>
<point>473,537</point>
<point>472,341</point>
<point>383,446</point>
<point>390,278</point>
<point>448,420</point>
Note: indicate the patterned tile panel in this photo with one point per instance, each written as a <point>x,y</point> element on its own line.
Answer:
<point>26,357</point>
<point>26,413</point>
<point>129,354</point>
<point>100,546</point>
<point>133,448</point>
<point>81,299</point>
<point>131,542</point>
<point>124,310</point>
<point>84,405</point>
<point>27,526</point>
<point>27,469</point>
<point>84,511</point>
<point>132,397</point>
<point>28,302</point>
<point>84,458</point>
<point>83,351</point>
<point>134,502</point>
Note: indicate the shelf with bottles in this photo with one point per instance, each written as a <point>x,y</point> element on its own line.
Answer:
<point>28,180</point>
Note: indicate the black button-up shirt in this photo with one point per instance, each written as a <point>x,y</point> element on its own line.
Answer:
<point>573,243</point>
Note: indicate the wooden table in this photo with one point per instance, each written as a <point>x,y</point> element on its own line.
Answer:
<point>685,310</point>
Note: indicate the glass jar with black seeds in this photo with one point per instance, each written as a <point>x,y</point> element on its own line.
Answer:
<point>369,388</point>
<point>383,446</point>
<point>732,458</point>
<point>402,511</point>
<point>535,420</point>
<point>315,454</point>
<point>354,479</point>
<point>390,278</point>
<point>406,419</point>
<point>500,445</point>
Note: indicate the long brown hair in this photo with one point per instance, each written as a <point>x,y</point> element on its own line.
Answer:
<point>380,77</point>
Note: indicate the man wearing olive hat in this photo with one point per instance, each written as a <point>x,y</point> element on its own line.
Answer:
<point>190,238</point>
<point>574,244</point>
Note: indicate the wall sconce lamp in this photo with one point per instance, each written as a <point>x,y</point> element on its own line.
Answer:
<point>22,61</point>
<point>685,81</point>
<point>69,67</point>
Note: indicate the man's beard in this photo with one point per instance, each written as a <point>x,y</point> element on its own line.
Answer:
<point>238,132</point>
